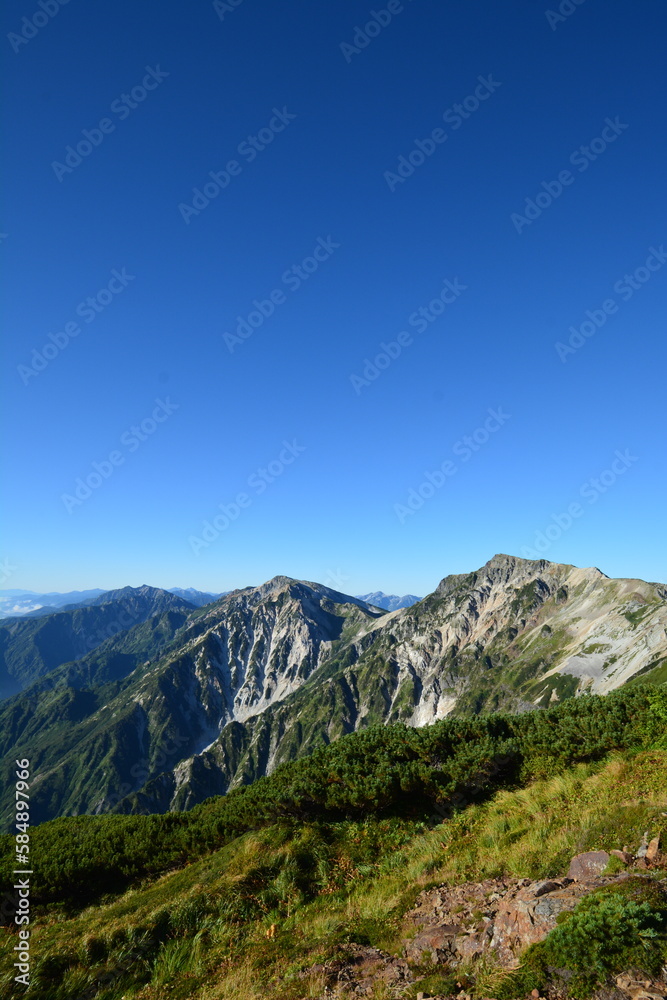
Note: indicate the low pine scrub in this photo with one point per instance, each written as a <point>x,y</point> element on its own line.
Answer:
<point>417,775</point>
<point>614,929</point>
<point>257,918</point>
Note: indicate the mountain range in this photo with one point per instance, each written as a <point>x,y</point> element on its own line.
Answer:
<point>15,603</point>
<point>187,702</point>
<point>19,603</point>
<point>390,602</point>
<point>22,602</point>
<point>32,646</point>
<point>197,597</point>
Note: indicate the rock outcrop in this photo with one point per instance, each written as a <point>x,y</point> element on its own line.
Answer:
<point>450,928</point>
<point>588,865</point>
<point>497,917</point>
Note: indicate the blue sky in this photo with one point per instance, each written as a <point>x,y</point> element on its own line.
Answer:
<point>501,170</point>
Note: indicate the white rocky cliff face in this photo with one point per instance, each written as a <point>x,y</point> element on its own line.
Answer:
<point>516,633</point>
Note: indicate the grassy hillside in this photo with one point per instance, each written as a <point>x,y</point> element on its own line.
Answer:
<point>333,850</point>
<point>201,931</point>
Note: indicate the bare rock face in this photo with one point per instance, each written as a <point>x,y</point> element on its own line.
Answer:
<point>498,916</point>
<point>452,923</point>
<point>526,916</point>
<point>587,865</point>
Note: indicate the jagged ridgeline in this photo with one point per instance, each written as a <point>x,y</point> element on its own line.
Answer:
<point>192,702</point>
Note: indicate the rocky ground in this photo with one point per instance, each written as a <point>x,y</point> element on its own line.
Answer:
<point>452,927</point>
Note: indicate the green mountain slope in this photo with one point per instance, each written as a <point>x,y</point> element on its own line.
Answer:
<point>176,710</point>
<point>32,647</point>
<point>268,892</point>
<point>99,729</point>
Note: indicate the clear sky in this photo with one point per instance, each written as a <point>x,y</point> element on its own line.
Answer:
<point>496,166</point>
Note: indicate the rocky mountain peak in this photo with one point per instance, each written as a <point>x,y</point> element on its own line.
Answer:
<point>280,582</point>
<point>501,568</point>
<point>268,672</point>
<point>504,567</point>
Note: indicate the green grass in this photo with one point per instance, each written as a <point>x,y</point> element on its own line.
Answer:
<point>656,673</point>
<point>199,933</point>
<point>333,850</point>
<point>637,617</point>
